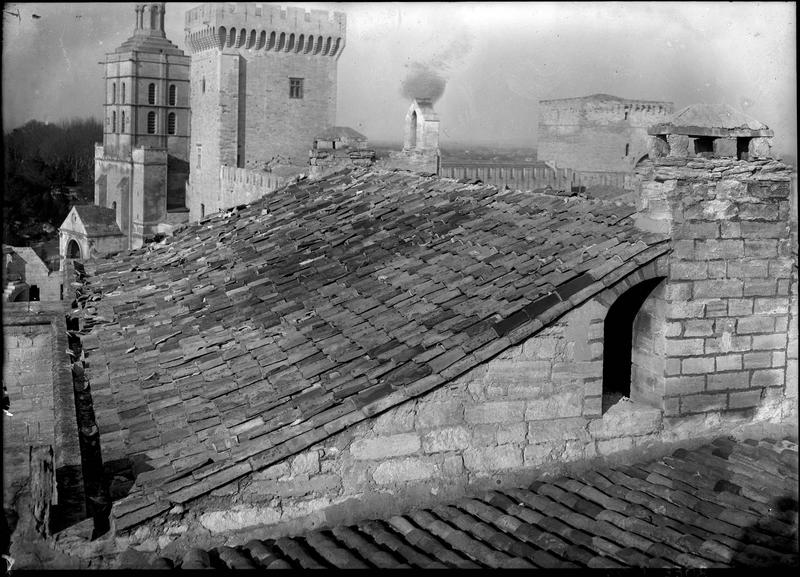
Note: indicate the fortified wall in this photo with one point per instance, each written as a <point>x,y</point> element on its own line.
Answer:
<point>601,137</point>
<point>263,83</point>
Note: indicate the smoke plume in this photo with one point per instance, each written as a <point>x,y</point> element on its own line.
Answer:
<point>422,81</point>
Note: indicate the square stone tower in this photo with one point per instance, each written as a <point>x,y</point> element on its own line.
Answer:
<point>142,166</point>
<point>263,85</point>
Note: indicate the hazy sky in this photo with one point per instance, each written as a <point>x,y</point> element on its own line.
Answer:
<point>498,59</point>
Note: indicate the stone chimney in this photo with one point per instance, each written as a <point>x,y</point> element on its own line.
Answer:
<point>420,140</point>
<point>731,289</point>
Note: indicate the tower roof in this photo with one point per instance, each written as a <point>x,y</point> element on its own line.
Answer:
<point>148,33</point>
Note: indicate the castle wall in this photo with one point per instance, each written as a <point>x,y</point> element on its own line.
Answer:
<point>243,57</point>
<point>242,186</point>
<point>592,134</point>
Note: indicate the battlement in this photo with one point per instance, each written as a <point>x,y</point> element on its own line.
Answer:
<point>256,26</point>
<point>247,176</point>
<point>603,107</point>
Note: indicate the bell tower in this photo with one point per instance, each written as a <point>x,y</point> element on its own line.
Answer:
<point>142,167</point>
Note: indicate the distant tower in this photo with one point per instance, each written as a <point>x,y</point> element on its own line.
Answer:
<point>420,140</point>
<point>142,167</point>
<point>263,86</point>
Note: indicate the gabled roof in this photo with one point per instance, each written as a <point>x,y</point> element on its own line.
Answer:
<point>725,503</point>
<point>340,133</point>
<point>712,120</point>
<point>257,333</point>
<point>97,220</point>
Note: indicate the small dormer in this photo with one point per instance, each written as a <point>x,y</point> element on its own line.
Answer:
<point>711,131</point>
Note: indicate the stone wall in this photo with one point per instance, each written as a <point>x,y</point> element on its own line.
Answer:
<point>730,280</point>
<point>597,133</point>
<point>37,376</point>
<point>242,186</point>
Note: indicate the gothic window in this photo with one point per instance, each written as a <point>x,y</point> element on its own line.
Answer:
<point>123,93</point>
<point>171,123</point>
<point>122,124</point>
<point>295,88</point>
<point>151,122</point>
<point>114,121</point>
<point>151,93</point>
<point>173,94</point>
<point>113,92</point>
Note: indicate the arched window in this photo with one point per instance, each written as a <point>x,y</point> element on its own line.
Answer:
<point>627,149</point>
<point>633,345</point>
<point>173,94</point>
<point>122,124</point>
<point>151,93</point>
<point>114,206</point>
<point>123,93</point>
<point>73,249</point>
<point>291,43</point>
<point>272,39</point>
<point>327,46</point>
<point>300,42</point>
<point>151,122</point>
<point>113,121</point>
<point>282,41</point>
<point>171,123</point>
<point>262,40</point>
<point>113,92</point>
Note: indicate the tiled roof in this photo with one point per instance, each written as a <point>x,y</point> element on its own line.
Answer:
<point>259,332</point>
<point>715,116</point>
<point>724,504</point>
<point>98,220</point>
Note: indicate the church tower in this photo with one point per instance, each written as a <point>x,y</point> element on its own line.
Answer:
<point>142,167</point>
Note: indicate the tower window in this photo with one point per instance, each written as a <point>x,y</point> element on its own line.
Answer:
<point>123,93</point>
<point>151,93</point>
<point>151,122</point>
<point>627,149</point>
<point>173,94</point>
<point>114,121</point>
<point>171,123</point>
<point>122,124</point>
<point>295,88</point>
<point>113,92</point>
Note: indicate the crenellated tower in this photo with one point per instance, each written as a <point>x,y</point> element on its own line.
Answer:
<point>263,86</point>
<point>142,167</point>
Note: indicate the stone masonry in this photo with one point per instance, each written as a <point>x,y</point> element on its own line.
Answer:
<point>728,343</point>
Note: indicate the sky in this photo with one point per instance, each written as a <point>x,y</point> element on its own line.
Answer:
<point>497,59</point>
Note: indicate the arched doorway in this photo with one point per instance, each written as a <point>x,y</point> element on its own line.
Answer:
<point>633,345</point>
<point>73,249</point>
<point>412,135</point>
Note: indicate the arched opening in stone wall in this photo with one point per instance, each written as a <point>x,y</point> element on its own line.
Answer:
<point>73,249</point>
<point>412,131</point>
<point>633,345</point>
